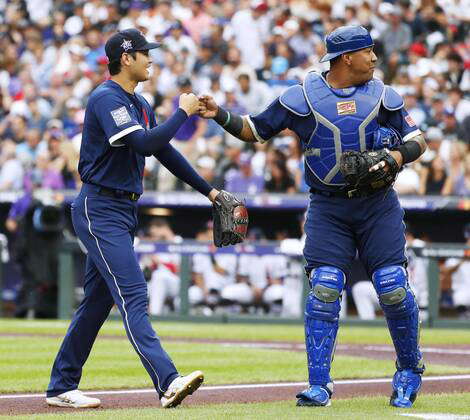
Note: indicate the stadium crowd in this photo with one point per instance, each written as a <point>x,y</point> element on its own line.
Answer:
<point>244,53</point>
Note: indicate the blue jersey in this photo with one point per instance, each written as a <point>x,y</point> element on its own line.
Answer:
<point>321,170</point>
<point>105,158</point>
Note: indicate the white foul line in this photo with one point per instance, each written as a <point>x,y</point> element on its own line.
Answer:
<point>252,386</point>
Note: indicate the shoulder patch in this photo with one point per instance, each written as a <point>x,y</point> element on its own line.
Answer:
<point>121,116</point>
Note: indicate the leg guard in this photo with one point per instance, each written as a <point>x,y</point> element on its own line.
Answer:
<point>321,322</point>
<point>402,314</point>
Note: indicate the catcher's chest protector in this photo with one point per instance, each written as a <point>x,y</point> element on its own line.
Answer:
<point>345,119</point>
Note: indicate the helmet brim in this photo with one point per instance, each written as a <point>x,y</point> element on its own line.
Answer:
<point>330,56</point>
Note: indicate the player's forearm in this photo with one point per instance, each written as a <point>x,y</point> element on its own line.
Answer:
<point>175,162</point>
<point>149,142</point>
<point>235,124</point>
<point>412,149</point>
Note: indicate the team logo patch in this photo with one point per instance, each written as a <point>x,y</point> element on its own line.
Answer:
<point>410,121</point>
<point>126,45</point>
<point>347,107</point>
<point>121,116</point>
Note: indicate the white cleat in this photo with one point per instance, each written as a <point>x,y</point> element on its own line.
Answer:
<point>180,388</point>
<point>74,399</point>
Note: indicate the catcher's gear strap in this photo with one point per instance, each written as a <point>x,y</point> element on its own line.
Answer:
<point>321,321</point>
<point>402,313</point>
<point>392,100</point>
<point>231,122</point>
<point>293,99</point>
<point>410,150</point>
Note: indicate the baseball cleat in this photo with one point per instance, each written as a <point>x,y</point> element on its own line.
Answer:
<point>73,399</point>
<point>180,388</point>
<point>406,385</point>
<point>314,396</point>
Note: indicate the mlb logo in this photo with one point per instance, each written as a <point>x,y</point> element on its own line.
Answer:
<point>347,107</point>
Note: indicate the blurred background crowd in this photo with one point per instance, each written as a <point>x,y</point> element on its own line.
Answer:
<point>244,53</point>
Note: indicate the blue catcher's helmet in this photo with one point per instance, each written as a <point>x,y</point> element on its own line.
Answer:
<point>346,39</point>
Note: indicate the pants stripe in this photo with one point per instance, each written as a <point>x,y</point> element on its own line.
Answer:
<point>120,295</point>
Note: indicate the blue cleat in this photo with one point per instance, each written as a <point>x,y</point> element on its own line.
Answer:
<point>406,385</point>
<point>314,396</point>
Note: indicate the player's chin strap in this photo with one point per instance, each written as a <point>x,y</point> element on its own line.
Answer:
<point>402,314</point>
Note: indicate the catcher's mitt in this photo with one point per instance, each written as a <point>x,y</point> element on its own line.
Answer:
<point>355,169</point>
<point>230,219</point>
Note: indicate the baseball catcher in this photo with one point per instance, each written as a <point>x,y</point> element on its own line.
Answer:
<point>230,219</point>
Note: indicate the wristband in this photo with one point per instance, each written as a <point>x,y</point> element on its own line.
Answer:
<point>410,150</point>
<point>231,122</point>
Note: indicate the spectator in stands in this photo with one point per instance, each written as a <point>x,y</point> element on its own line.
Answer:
<point>211,274</point>
<point>396,37</point>
<point>252,94</point>
<point>27,151</point>
<point>162,269</point>
<point>229,160</point>
<point>408,181</point>
<point>434,179</point>
<point>186,137</point>
<point>363,292</point>
<point>243,179</point>
<point>11,170</point>
<point>206,168</point>
<point>177,41</point>
<point>462,181</point>
<point>417,271</point>
<point>198,24</point>
<point>250,30</point>
<point>278,178</point>
<point>459,270</point>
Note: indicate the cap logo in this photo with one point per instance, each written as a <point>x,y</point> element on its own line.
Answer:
<point>126,45</point>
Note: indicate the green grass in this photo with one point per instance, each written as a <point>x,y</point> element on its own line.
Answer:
<point>351,409</point>
<point>26,362</point>
<point>249,332</point>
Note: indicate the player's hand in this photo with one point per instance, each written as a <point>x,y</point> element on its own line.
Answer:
<point>207,107</point>
<point>189,103</point>
<point>382,164</point>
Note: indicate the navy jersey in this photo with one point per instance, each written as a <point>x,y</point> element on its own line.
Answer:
<point>105,158</point>
<point>277,117</point>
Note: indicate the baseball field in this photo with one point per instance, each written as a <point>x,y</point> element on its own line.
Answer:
<point>252,372</point>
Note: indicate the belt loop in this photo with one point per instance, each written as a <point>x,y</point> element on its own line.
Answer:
<point>352,193</point>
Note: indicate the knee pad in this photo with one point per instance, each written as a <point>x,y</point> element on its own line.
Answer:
<point>324,300</point>
<point>321,321</point>
<point>402,313</point>
<point>395,296</point>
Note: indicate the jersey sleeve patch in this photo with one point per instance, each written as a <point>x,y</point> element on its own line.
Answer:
<point>121,116</point>
<point>410,121</point>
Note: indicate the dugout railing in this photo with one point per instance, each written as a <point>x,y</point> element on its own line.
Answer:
<point>70,250</point>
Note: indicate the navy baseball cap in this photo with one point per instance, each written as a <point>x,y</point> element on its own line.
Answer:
<point>346,39</point>
<point>127,40</point>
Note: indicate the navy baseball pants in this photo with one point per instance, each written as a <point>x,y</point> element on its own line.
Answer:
<point>106,226</point>
<point>336,227</point>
